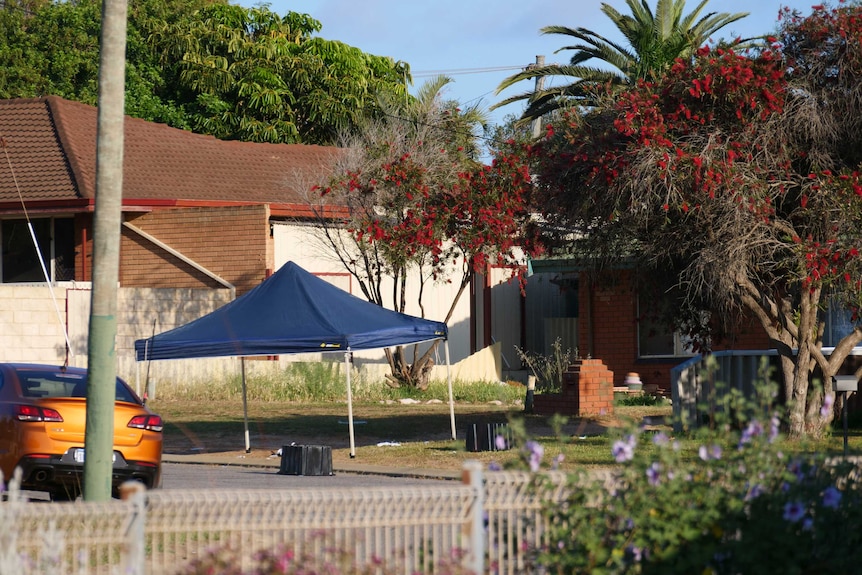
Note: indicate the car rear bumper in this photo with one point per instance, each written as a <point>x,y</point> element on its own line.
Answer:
<point>48,473</point>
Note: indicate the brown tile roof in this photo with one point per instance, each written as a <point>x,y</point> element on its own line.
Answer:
<point>51,146</point>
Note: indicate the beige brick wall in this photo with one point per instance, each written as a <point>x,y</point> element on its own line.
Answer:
<point>33,330</point>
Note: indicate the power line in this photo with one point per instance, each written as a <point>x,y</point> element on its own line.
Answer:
<point>461,71</point>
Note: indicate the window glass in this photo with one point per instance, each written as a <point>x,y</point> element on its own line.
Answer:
<point>839,323</point>
<point>38,384</point>
<point>64,249</point>
<point>20,259</point>
<point>655,337</point>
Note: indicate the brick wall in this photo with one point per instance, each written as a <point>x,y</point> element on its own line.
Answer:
<point>587,390</point>
<point>612,304</point>
<point>231,242</point>
<point>608,331</point>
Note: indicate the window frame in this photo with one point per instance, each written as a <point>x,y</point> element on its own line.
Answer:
<point>52,255</point>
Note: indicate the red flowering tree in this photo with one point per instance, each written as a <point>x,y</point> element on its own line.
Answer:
<point>741,174</point>
<point>416,209</point>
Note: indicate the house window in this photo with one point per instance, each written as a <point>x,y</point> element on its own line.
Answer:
<point>20,259</point>
<point>655,339</point>
<point>839,323</point>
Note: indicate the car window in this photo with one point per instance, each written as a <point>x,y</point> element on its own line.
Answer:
<point>52,384</point>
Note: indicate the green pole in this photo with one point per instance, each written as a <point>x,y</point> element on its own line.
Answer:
<point>107,216</point>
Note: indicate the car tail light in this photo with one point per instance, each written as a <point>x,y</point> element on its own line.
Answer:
<point>149,422</point>
<point>34,413</point>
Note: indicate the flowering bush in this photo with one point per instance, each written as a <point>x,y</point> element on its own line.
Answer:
<point>285,561</point>
<point>735,504</point>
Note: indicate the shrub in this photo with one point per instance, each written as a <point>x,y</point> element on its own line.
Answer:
<point>548,369</point>
<point>644,399</point>
<point>739,505</point>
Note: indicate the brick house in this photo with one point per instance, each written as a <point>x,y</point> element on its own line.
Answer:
<point>198,214</point>
<point>181,193</point>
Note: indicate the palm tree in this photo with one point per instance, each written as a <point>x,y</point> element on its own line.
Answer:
<point>654,42</point>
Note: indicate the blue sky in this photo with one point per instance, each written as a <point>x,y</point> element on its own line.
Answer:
<point>480,42</point>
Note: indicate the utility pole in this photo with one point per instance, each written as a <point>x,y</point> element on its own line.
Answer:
<point>101,360</point>
<point>540,85</point>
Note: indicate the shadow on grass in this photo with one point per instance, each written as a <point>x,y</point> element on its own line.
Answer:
<point>295,425</point>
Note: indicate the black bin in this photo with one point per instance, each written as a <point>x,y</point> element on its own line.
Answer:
<point>306,460</point>
<point>483,436</point>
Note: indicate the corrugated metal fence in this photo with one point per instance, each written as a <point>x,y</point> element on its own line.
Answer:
<point>487,524</point>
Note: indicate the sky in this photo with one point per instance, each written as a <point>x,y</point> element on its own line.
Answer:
<point>478,43</point>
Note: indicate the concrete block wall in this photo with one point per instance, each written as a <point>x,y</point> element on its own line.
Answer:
<point>33,330</point>
<point>31,326</point>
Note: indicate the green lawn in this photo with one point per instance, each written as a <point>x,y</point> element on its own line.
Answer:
<point>413,435</point>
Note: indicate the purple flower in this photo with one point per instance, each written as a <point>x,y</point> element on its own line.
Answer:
<point>536,452</point>
<point>831,498</point>
<point>807,524</point>
<point>796,469</point>
<point>660,438</point>
<point>793,511</point>
<point>828,402</point>
<point>653,473</point>
<point>774,428</point>
<point>624,449</point>
<point>754,492</point>
<point>501,443</point>
<point>494,466</point>
<point>711,452</point>
<point>754,429</point>
<point>557,461</point>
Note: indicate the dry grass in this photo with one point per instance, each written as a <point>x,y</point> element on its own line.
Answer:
<point>387,434</point>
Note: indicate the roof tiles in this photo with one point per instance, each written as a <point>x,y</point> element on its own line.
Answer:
<point>51,147</point>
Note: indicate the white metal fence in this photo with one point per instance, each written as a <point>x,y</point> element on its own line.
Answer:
<point>693,382</point>
<point>488,524</point>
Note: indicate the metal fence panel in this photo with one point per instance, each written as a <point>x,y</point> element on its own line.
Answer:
<point>494,521</point>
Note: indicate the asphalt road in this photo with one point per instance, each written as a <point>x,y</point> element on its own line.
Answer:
<point>206,476</point>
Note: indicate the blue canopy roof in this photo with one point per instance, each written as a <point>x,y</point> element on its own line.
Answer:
<point>292,311</point>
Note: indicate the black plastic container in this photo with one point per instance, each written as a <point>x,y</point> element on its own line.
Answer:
<point>306,460</point>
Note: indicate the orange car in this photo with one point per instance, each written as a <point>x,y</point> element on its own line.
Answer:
<point>42,418</point>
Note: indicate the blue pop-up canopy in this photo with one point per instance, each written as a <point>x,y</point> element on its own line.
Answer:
<point>291,312</point>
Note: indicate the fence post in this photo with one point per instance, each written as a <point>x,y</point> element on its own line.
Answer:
<point>134,492</point>
<point>472,476</point>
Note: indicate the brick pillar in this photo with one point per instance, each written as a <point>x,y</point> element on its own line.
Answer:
<point>588,389</point>
<point>594,384</point>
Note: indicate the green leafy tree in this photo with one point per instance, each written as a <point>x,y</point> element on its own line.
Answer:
<point>229,71</point>
<point>737,175</point>
<point>52,48</point>
<point>653,42</point>
<point>253,75</point>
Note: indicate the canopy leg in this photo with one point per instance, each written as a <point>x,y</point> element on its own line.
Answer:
<point>451,398</point>
<point>347,357</point>
<point>245,406</point>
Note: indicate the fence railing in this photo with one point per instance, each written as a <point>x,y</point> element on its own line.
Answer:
<point>693,382</point>
<point>488,523</point>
